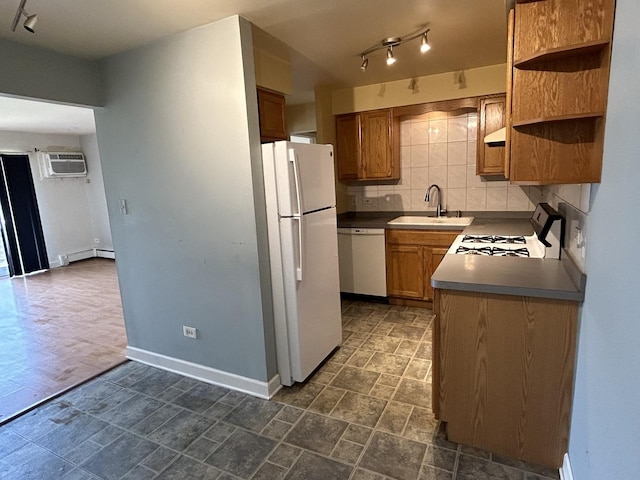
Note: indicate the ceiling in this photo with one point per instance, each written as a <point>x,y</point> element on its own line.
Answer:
<point>325,36</point>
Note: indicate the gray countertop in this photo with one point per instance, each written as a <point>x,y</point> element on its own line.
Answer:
<point>546,278</point>
<point>530,277</point>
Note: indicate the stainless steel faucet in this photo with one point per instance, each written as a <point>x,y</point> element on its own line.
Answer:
<point>439,210</point>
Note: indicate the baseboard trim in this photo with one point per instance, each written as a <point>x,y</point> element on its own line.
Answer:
<point>565,472</point>
<point>65,259</point>
<point>97,252</point>
<point>239,383</point>
<point>82,255</point>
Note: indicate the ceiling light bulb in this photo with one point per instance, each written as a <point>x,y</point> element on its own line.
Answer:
<point>30,23</point>
<point>424,44</point>
<point>365,63</point>
<point>390,59</point>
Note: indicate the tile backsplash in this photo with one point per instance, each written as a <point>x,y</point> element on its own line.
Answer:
<point>440,148</point>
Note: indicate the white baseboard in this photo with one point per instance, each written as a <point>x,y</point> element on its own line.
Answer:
<point>67,258</point>
<point>565,471</point>
<point>253,387</point>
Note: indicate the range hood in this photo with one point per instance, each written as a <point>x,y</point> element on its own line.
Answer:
<point>499,136</point>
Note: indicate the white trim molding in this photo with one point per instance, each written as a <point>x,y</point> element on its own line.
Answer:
<point>239,383</point>
<point>565,471</point>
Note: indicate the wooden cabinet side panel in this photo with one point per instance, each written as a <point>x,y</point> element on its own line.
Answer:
<point>509,96</point>
<point>463,365</point>
<point>530,376</point>
<point>506,373</point>
<point>377,144</point>
<point>348,146</point>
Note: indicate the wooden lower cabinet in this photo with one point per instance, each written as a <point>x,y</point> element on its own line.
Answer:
<point>503,371</point>
<point>412,257</point>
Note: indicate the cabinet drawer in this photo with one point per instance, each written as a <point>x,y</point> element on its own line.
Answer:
<point>432,238</point>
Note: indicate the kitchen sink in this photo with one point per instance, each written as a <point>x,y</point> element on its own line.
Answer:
<point>418,221</point>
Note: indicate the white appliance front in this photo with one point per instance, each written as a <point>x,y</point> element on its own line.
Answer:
<point>310,278</point>
<point>305,179</point>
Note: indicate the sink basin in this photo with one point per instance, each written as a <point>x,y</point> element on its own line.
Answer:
<point>418,221</point>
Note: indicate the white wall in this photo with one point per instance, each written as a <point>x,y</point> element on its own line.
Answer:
<point>34,72</point>
<point>96,197</point>
<point>179,140</point>
<point>605,426</point>
<point>70,220</point>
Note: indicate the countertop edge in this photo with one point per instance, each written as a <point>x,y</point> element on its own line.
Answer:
<point>572,295</point>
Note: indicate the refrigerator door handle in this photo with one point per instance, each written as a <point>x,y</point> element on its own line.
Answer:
<point>298,219</point>
<point>296,178</point>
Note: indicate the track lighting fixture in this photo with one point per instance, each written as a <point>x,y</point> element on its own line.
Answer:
<point>424,43</point>
<point>29,24</point>
<point>390,42</point>
<point>390,59</point>
<point>365,63</point>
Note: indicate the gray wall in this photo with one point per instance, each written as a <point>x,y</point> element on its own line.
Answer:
<point>179,141</point>
<point>38,73</point>
<point>605,428</point>
<point>96,196</point>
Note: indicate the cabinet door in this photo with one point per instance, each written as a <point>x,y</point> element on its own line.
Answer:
<point>405,271</point>
<point>433,257</point>
<point>490,158</point>
<point>272,120</point>
<point>376,144</point>
<point>348,146</point>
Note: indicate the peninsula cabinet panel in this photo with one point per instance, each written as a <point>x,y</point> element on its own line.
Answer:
<point>505,372</point>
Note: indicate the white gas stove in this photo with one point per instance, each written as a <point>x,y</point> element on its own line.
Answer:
<point>545,242</point>
<point>498,246</point>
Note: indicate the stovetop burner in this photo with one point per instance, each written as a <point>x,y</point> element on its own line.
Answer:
<point>493,239</point>
<point>493,251</point>
<point>506,252</point>
<point>474,251</point>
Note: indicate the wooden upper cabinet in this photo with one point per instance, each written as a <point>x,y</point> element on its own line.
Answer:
<point>491,117</point>
<point>348,147</point>
<point>368,146</point>
<point>271,109</point>
<point>561,56</point>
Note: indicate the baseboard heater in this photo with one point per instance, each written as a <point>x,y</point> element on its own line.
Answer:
<point>67,258</point>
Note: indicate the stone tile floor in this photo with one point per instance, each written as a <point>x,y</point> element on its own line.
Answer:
<point>364,415</point>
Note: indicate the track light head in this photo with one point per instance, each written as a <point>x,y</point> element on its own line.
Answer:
<point>390,58</point>
<point>30,23</point>
<point>365,63</point>
<point>424,43</point>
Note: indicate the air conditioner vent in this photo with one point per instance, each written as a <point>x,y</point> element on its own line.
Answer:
<point>64,165</point>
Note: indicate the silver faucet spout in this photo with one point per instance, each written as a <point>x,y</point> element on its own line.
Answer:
<point>427,198</point>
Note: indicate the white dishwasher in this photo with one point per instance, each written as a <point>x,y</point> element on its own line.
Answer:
<point>362,261</point>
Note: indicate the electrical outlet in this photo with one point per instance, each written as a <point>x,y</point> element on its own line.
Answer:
<point>368,201</point>
<point>190,332</point>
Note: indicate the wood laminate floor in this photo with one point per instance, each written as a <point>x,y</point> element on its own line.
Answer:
<point>57,329</point>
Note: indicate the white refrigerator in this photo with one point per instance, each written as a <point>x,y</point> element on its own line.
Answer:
<point>303,249</point>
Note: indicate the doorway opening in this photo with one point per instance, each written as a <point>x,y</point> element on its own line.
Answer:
<point>23,238</point>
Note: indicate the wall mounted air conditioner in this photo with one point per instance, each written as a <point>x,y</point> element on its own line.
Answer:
<point>64,164</point>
